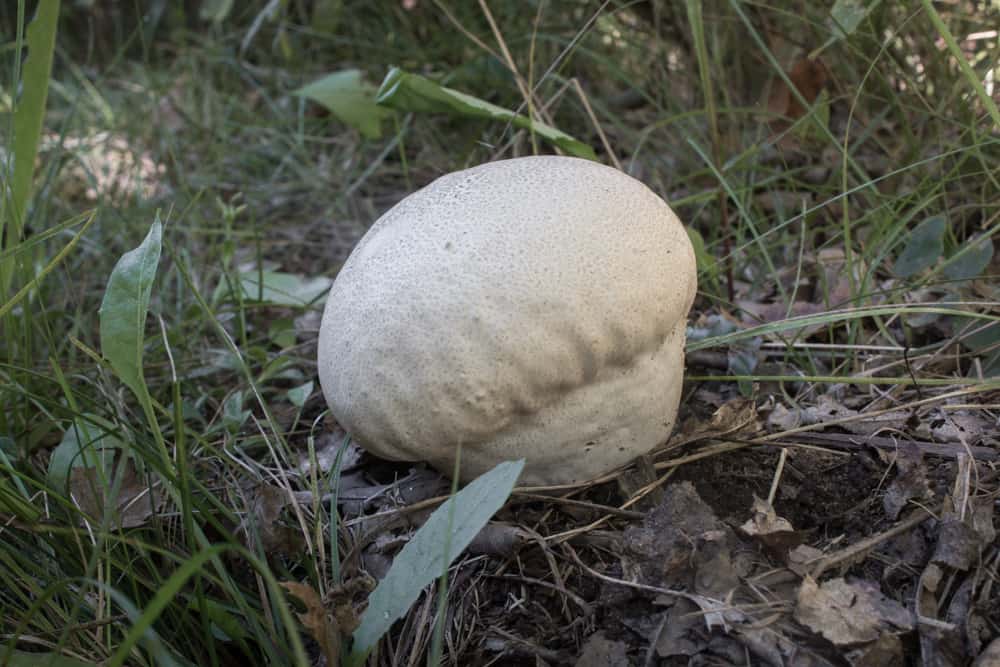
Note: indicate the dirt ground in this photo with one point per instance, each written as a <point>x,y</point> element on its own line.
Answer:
<point>845,533</point>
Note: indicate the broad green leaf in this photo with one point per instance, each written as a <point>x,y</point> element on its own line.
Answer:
<point>215,11</point>
<point>86,443</point>
<point>404,91</point>
<point>281,332</point>
<point>423,559</point>
<point>29,111</point>
<point>233,414</point>
<point>923,248</point>
<point>847,15</point>
<point>282,289</point>
<point>299,395</point>
<point>349,98</point>
<point>123,311</point>
<point>970,260</point>
<point>17,658</point>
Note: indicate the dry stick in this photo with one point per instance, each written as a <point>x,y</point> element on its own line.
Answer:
<point>559,538</point>
<point>462,29</point>
<point>526,93</point>
<point>771,439</point>
<point>554,568</point>
<point>577,503</point>
<point>928,358</point>
<point>777,476</point>
<point>847,441</point>
<point>587,609</point>
<point>597,126</point>
<point>854,551</point>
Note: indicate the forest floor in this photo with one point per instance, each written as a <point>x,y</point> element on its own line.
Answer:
<point>829,496</point>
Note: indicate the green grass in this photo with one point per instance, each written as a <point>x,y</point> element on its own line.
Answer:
<point>254,177</point>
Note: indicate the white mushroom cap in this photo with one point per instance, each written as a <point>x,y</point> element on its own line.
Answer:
<point>532,307</point>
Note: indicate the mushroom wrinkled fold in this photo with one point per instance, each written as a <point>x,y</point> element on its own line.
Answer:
<point>526,308</point>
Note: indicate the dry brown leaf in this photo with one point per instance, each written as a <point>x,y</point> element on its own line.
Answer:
<point>990,657</point>
<point>599,651</point>
<point>803,558</point>
<point>321,625</point>
<point>809,77</point>
<point>886,651</point>
<point>772,530</point>
<point>133,506</point>
<point>264,521</point>
<point>849,613</point>
<point>910,481</point>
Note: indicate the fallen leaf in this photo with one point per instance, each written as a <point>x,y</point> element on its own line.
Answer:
<point>990,657</point>
<point>599,651</point>
<point>680,632</point>
<point>910,481</point>
<point>849,614</point>
<point>809,77</point>
<point>772,530</point>
<point>321,626</point>
<point>886,651</point>
<point>132,507</point>
<point>263,525</point>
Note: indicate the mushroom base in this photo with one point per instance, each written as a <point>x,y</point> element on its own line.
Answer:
<point>624,413</point>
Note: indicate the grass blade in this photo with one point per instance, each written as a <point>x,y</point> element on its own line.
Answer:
<point>30,110</point>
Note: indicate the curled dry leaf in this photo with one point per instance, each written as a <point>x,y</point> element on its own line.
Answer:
<point>772,530</point>
<point>321,625</point>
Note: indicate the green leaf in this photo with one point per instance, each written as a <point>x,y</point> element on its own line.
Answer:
<point>14,495</point>
<point>299,395</point>
<point>281,289</point>
<point>350,99</point>
<point>847,15</point>
<point>15,658</point>
<point>281,332</point>
<point>970,260</point>
<point>924,247</point>
<point>411,92</point>
<point>29,111</point>
<point>215,11</point>
<point>123,311</point>
<point>82,445</point>
<point>8,448</point>
<point>226,624</point>
<point>704,260</point>
<point>233,414</point>
<point>423,558</point>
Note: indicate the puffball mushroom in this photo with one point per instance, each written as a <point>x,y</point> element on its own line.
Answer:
<point>528,308</point>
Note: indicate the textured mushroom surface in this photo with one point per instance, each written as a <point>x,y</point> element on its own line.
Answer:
<point>532,307</point>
